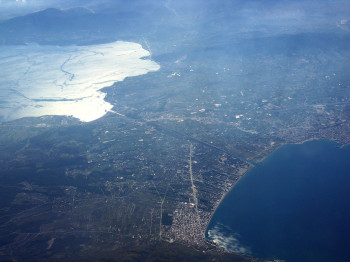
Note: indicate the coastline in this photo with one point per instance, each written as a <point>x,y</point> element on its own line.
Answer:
<point>321,168</point>
<point>66,88</point>
<point>222,198</point>
<point>341,145</point>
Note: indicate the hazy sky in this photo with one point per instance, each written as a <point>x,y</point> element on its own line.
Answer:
<point>282,13</point>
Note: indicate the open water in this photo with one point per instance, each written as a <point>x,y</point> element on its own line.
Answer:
<point>295,205</point>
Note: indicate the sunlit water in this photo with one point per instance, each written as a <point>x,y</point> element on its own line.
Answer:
<point>293,206</point>
<point>40,80</point>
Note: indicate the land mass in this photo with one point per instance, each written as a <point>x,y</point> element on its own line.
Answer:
<point>156,167</point>
<point>145,179</point>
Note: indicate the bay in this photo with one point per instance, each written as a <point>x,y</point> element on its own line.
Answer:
<point>295,206</point>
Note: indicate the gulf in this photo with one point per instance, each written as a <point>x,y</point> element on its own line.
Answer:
<point>295,206</point>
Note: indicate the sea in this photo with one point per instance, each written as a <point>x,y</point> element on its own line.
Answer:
<point>294,206</point>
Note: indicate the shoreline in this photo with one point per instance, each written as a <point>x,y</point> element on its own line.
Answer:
<point>250,168</point>
<point>222,198</point>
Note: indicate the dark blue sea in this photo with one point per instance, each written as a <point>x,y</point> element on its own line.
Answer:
<point>295,206</point>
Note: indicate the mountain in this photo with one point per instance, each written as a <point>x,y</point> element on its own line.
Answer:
<point>72,26</point>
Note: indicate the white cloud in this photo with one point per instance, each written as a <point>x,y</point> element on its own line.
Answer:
<point>223,237</point>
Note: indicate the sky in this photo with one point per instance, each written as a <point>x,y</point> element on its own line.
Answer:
<point>293,13</point>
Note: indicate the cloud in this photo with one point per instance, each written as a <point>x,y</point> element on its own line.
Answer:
<point>222,236</point>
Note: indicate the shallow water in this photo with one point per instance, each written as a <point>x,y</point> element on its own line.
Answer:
<point>38,80</point>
